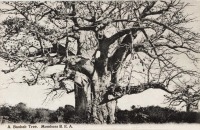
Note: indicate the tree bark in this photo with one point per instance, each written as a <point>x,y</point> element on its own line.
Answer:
<point>88,98</point>
<point>103,113</point>
<point>82,102</point>
<point>188,106</point>
<point>82,89</point>
<point>102,106</point>
<point>90,108</point>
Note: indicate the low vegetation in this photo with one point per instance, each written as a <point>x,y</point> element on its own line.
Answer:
<point>20,113</point>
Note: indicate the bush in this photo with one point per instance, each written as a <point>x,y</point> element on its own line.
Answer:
<point>156,114</point>
<point>152,114</point>
<point>122,116</point>
<point>5,111</point>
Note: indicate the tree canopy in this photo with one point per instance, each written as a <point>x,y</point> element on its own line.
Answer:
<point>108,49</point>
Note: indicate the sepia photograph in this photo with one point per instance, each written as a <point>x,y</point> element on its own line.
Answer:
<point>100,64</point>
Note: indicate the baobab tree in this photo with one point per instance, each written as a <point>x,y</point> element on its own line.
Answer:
<point>108,49</point>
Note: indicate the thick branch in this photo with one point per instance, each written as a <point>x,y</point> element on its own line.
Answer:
<point>102,62</point>
<point>147,11</point>
<point>113,38</point>
<point>119,56</point>
<point>82,65</point>
<point>148,8</point>
<point>140,88</point>
<point>119,91</point>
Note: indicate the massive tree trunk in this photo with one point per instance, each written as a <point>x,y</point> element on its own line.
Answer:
<point>98,99</point>
<point>102,112</point>
<point>93,111</point>
<point>95,98</point>
<point>89,101</point>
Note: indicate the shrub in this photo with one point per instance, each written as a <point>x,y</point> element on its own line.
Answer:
<point>67,114</point>
<point>156,114</point>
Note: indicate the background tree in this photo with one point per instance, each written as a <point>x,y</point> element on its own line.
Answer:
<point>5,110</point>
<point>108,49</point>
<point>69,112</point>
<point>21,113</point>
<point>186,94</point>
<point>41,115</point>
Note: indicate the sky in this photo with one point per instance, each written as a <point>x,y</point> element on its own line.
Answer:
<point>34,96</point>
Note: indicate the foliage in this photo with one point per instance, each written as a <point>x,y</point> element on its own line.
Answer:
<point>151,114</point>
<point>22,114</point>
<point>156,114</point>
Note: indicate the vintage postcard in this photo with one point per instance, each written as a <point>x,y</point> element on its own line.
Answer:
<point>100,64</point>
